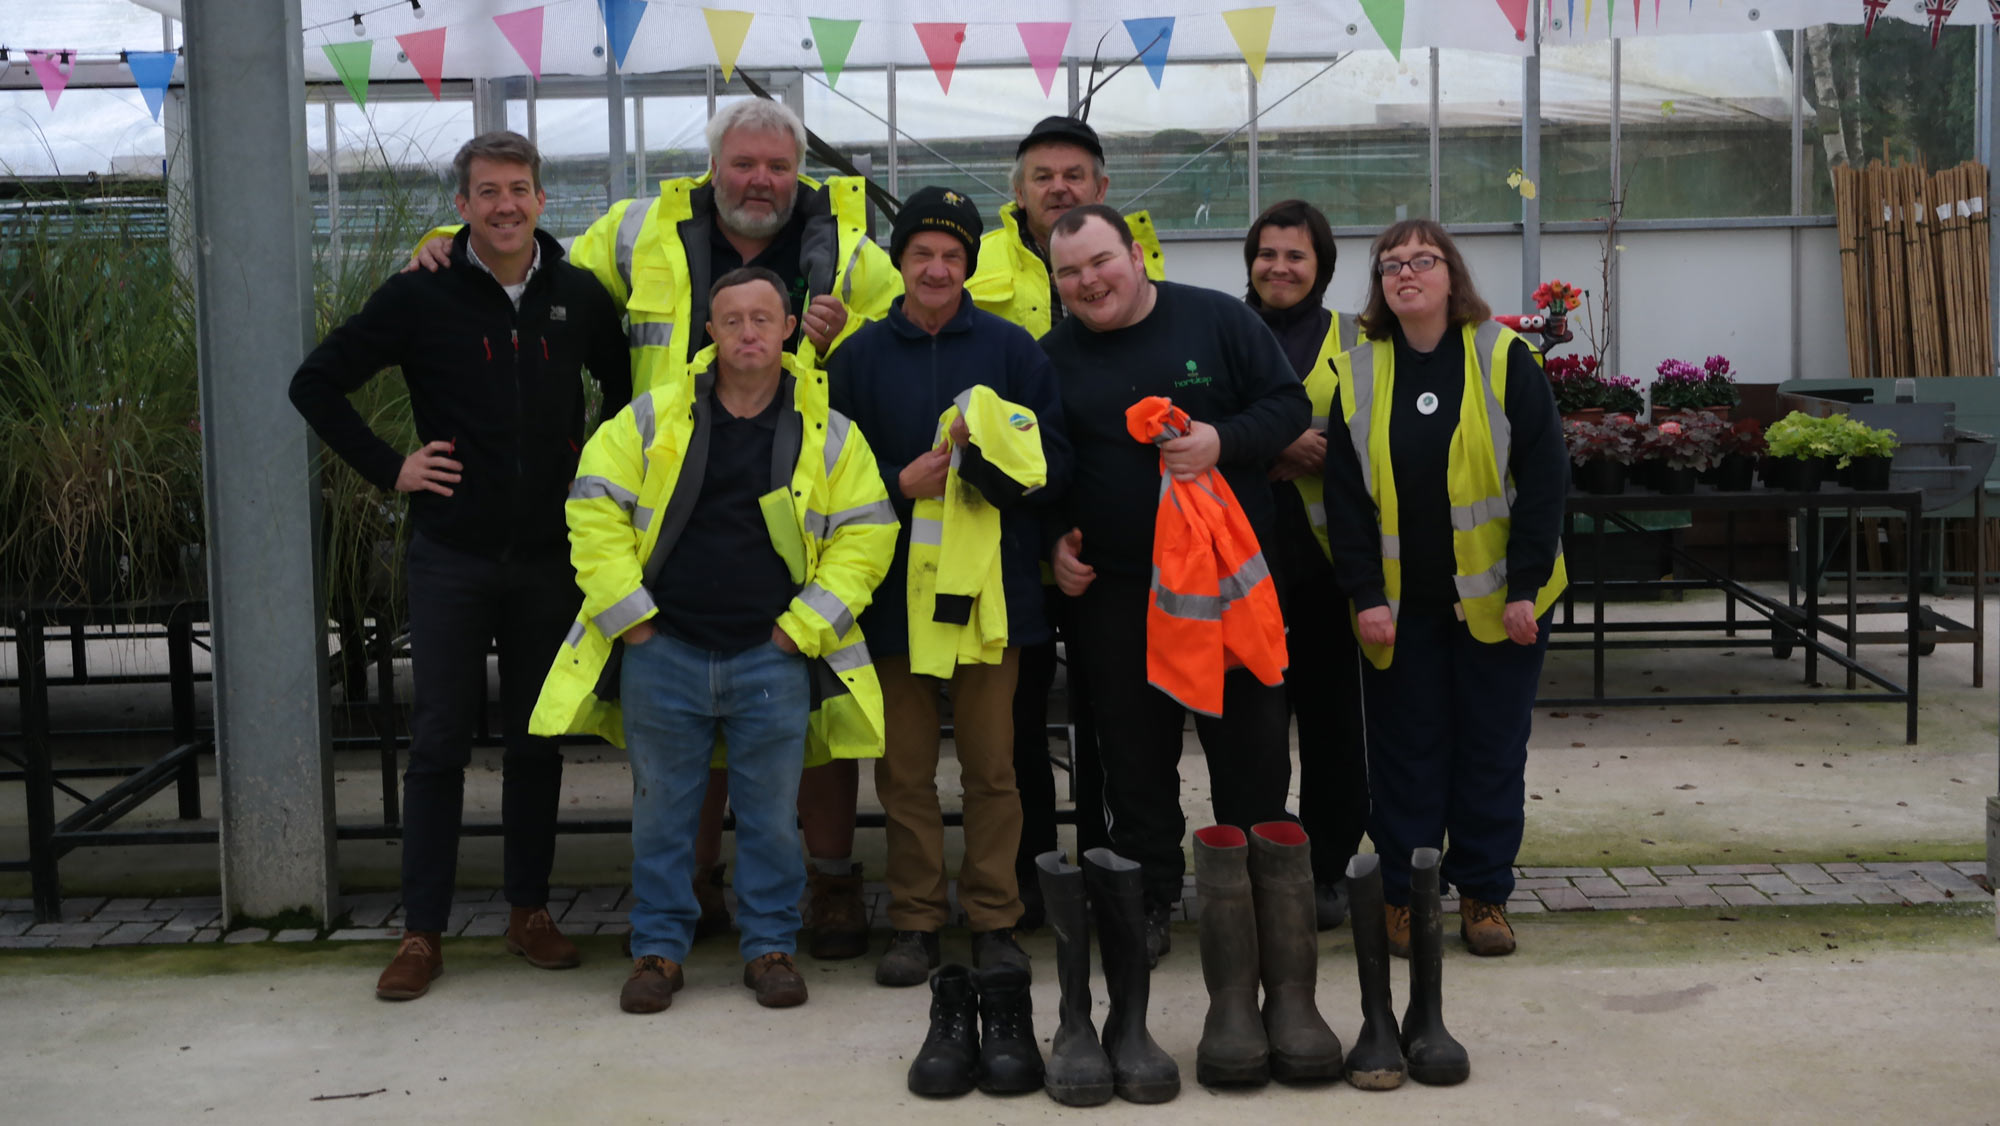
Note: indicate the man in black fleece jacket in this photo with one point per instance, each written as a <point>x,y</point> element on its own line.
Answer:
<point>492,350</point>
<point>1127,338</point>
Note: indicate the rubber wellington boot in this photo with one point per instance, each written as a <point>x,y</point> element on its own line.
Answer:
<point>948,1063</point>
<point>1079,1073</point>
<point>1010,1063</point>
<point>1233,1049</point>
<point>1375,1063</point>
<point>1141,1072</point>
<point>1303,1048</point>
<point>1434,1057</point>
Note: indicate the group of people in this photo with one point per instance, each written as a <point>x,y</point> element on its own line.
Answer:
<point>830,482</point>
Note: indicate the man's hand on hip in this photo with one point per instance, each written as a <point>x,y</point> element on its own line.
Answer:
<point>429,470</point>
<point>784,641</point>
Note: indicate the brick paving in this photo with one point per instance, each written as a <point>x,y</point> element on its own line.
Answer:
<point>377,916</point>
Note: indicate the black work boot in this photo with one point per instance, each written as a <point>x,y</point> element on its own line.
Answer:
<point>1009,1061</point>
<point>948,1063</point>
<point>1159,932</point>
<point>1303,1048</point>
<point>1033,912</point>
<point>1434,1057</point>
<point>1330,903</point>
<point>1375,1063</point>
<point>1233,1049</point>
<point>1141,1072</point>
<point>1079,1073</point>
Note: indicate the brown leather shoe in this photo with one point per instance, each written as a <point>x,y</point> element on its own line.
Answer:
<point>838,918</point>
<point>418,962</point>
<point>1484,927</point>
<point>1398,919</point>
<point>714,918</point>
<point>652,986</point>
<point>532,934</point>
<point>776,981</point>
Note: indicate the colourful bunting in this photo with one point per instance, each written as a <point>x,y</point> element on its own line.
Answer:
<point>523,30</point>
<point>1938,11</point>
<point>1517,14</point>
<point>1994,7</point>
<point>1871,9</point>
<point>621,23</point>
<point>835,39</point>
<point>1045,42</point>
<point>151,72</point>
<point>727,30</point>
<point>1251,28</point>
<point>53,68</point>
<point>1386,17</point>
<point>941,43</point>
<point>425,50</point>
<point>1151,37</point>
<point>1587,6</point>
<point>351,62</point>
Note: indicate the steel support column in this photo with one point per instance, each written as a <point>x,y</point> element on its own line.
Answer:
<point>254,315</point>
<point>1531,165</point>
<point>1612,256</point>
<point>615,171</point>
<point>489,105</point>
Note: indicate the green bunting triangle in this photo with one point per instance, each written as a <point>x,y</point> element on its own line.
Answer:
<point>835,39</point>
<point>1386,17</point>
<point>350,61</point>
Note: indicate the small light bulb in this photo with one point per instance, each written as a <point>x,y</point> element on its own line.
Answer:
<point>417,9</point>
<point>358,29</point>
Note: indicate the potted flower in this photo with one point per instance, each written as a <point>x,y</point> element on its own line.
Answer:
<point>1865,453</point>
<point>1622,396</point>
<point>1601,451</point>
<point>1741,445</point>
<point>1578,390</point>
<point>1721,380</point>
<point>1801,447</point>
<point>1684,446</point>
<point>1681,386</point>
<point>1557,298</point>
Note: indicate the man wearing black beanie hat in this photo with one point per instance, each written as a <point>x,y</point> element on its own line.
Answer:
<point>937,209</point>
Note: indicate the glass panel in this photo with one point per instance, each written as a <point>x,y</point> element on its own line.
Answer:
<point>91,130</point>
<point>1707,126</point>
<point>1353,141</point>
<point>1180,173</point>
<point>1576,133</point>
<point>574,137</point>
<point>968,137</point>
<point>1887,96</point>
<point>1479,125</point>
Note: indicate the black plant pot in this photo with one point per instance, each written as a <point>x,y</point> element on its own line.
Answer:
<point>1674,482</point>
<point>1733,474</point>
<point>1795,475</point>
<point>1602,477</point>
<point>1869,474</point>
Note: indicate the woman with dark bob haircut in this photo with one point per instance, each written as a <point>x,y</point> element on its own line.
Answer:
<point>1288,257</point>
<point>1445,481</point>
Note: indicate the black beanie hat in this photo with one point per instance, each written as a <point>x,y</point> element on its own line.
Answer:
<point>937,209</point>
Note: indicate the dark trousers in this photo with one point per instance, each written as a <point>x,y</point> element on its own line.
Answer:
<point>1448,728</point>
<point>459,605</point>
<point>1323,689</point>
<point>1139,739</point>
<point>1033,775</point>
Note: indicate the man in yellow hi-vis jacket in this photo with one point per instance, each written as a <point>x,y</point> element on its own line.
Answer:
<point>727,529</point>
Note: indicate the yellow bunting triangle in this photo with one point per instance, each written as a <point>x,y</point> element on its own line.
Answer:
<point>1252,29</point>
<point>728,29</point>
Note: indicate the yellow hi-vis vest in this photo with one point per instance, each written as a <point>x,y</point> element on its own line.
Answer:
<point>1320,383</point>
<point>829,518</point>
<point>1476,478</point>
<point>957,599</point>
<point>1012,282</point>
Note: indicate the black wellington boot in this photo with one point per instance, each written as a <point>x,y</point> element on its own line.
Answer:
<point>1078,1073</point>
<point>1434,1057</point>
<point>1233,1049</point>
<point>1010,1063</point>
<point>1303,1048</point>
<point>948,1063</point>
<point>1375,1063</point>
<point>1141,1071</point>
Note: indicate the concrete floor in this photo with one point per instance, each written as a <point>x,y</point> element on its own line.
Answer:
<point>1842,1014</point>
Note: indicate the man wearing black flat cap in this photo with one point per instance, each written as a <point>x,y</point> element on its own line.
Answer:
<point>896,378</point>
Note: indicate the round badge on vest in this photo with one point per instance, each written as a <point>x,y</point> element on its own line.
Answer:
<point>1427,403</point>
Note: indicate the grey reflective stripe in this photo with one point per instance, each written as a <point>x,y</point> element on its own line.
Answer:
<point>1496,411</point>
<point>1360,392</point>
<point>1348,329</point>
<point>1198,607</point>
<point>925,530</point>
<point>628,237</point>
<point>829,606</point>
<point>836,437</point>
<point>1317,514</point>
<point>847,658</point>
<point>650,334</point>
<point>847,275</point>
<point>1319,422</point>
<point>1490,581</point>
<point>822,525</point>
<point>1253,571</point>
<point>624,613</point>
<point>642,419</point>
<point>1466,517</point>
<point>1392,546</point>
<point>574,637</point>
<point>590,488</point>
<point>642,517</point>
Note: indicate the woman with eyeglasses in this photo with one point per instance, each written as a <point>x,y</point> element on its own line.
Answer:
<point>1289,256</point>
<point>1445,480</point>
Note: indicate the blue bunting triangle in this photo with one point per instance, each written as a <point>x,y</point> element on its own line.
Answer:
<point>621,22</point>
<point>1151,37</point>
<point>151,71</point>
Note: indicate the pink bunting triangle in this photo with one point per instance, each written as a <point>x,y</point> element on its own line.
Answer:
<point>523,30</point>
<point>941,43</point>
<point>425,50</point>
<point>53,68</point>
<point>1517,14</point>
<point>1045,42</point>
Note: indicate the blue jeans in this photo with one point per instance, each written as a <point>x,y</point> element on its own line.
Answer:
<point>678,699</point>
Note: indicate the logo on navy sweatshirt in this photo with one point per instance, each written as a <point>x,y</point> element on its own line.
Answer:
<point>1193,378</point>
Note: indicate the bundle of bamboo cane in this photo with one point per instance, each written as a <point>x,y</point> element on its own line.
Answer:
<point>1915,270</point>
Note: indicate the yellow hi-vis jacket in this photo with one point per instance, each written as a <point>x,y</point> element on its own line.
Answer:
<point>1341,335</point>
<point>830,520</point>
<point>1012,281</point>
<point>1477,481</point>
<point>639,252</point>
<point>957,601</point>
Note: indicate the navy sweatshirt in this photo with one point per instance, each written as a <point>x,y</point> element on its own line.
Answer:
<point>893,380</point>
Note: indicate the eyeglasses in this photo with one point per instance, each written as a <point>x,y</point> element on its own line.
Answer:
<point>1422,264</point>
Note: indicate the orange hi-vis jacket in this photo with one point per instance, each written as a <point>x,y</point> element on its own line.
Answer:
<point>1213,606</point>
